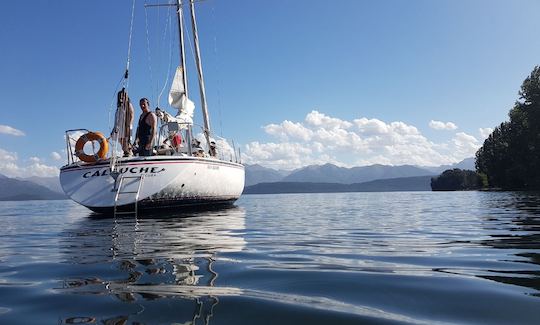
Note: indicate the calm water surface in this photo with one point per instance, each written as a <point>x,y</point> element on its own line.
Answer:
<point>381,258</point>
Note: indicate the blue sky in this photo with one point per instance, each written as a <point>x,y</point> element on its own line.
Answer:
<point>292,82</point>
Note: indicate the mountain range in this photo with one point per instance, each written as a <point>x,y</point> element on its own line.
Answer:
<point>467,164</point>
<point>258,174</point>
<point>52,183</point>
<point>329,173</point>
<point>418,183</point>
<point>12,189</point>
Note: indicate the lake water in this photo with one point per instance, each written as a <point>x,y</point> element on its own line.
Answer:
<point>373,258</point>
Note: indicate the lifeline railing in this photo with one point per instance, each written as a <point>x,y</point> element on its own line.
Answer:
<point>170,127</point>
<point>73,135</point>
<point>70,144</point>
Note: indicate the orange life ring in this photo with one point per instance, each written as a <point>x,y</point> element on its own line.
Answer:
<point>92,136</point>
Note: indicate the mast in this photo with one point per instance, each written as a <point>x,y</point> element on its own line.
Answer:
<point>180,16</point>
<point>201,77</point>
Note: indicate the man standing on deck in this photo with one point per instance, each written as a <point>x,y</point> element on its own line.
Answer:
<point>146,131</point>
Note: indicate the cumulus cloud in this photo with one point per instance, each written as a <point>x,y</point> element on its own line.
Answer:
<point>288,129</point>
<point>284,155</point>
<point>11,166</point>
<point>321,139</point>
<point>371,126</point>
<point>40,169</point>
<point>438,125</point>
<point>56,156</point>
<point>6,129</point>
<point>485,132</point>
<point>224,149</point>
<point>465,145</point>
<point>8,162</point>
<point>8,156</point>
<point>318,119</point>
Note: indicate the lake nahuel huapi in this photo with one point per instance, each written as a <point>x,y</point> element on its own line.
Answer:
<point>350,258</point>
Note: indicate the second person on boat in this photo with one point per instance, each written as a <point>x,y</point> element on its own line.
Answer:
<point>146,130</point>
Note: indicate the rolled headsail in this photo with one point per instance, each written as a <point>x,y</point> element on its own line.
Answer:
<point>179,100</point>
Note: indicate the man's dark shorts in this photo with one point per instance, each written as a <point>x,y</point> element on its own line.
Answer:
<point>145,152</point>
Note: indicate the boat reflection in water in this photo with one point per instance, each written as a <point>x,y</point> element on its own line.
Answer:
<point>141,260</point>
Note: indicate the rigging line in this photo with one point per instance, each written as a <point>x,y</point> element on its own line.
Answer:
<point>193,55</point>
<point>169,21</point>
<point>158,19</point>
<point>170,4</point>
<point>125,80</point>
<point>189,41</point>
<point>161,39</point>
<point>217,65</point>
<point>197,57</point>
<point>149,55</point>
<point>129,43</point>
<point>191,50</point>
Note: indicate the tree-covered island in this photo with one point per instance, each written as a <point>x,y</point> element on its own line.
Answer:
<point>457,180</point>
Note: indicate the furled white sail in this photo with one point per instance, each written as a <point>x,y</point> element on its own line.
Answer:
<point>179,100</point>
<point>177,89</point>
<point>185,112</point>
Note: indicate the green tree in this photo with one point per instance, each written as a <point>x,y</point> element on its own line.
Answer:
<point>510,155</point>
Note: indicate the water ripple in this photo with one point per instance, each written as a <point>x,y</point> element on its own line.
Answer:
<point>394,258</point>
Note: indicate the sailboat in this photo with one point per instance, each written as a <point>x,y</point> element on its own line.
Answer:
<point>181,173</point>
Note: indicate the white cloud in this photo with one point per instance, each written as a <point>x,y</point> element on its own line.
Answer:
<point>284,155</point>
<point>7,156</point>
<point>485,132</point>
<point>465,145</point>
<point>56,156</point>
<point>288,129</point>
<point>318,119</point>
<point>11,167</point>
<point>321,139</point>
<point>7,162</point>
<point>42,170</point>
<point>371,126</point>
<point>6,129</point>
<point>438,125</point>
<point>224,149</point>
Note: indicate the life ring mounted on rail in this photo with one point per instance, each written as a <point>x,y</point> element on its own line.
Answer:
<point>92,136</point>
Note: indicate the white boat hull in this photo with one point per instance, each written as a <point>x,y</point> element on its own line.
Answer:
<point>168,182</point>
